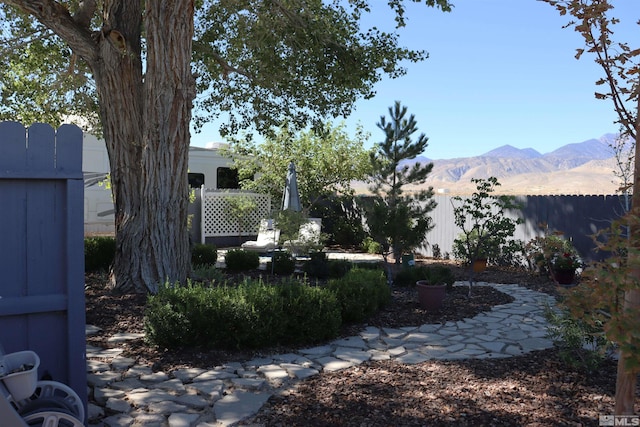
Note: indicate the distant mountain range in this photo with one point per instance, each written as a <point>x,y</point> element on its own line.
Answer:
<point>578,168</point>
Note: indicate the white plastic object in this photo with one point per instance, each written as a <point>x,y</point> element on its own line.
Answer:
<point>21,371</point>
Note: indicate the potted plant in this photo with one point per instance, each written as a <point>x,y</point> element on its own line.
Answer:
<point>432,288</point>
<point>564,266</point>
<point>554,255</point>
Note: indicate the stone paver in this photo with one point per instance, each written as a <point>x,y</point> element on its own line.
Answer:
<point>134,395</point>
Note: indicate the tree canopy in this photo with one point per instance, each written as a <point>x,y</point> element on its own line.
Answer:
<point>326,160</point>
<point>258,63</point>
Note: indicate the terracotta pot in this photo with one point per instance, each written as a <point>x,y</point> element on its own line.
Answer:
<point>479,265</point>
<point>564,276</point>
<point>431,297</point>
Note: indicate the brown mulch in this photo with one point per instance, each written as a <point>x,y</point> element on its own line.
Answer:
<point>535,389</point>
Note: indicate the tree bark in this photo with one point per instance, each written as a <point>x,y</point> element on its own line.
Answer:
<point>146,128</point>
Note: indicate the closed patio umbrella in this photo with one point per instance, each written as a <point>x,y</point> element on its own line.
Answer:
<point>291,197</point>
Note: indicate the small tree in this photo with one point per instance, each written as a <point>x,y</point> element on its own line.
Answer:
<point>240,208</point>
<point>482,218</point>
<point>593,20</point>
<point>398,221</point>
<point>624,153</point>
<point>327,161</point>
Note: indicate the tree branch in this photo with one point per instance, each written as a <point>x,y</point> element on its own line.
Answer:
<point>228,68</point>
<point>56,17</point>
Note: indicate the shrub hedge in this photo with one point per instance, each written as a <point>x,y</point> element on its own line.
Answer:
<point>283,263</point>
<point>248,316</point>
<point>360,293</point>
<point>99,252</point>
<point>320,267</point>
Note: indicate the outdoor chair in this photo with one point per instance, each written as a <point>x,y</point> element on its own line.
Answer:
<point>267,240</point>
<point>308,236</point>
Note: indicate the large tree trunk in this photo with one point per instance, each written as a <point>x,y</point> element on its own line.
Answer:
<point>626,379</point>
<point>146,128</point>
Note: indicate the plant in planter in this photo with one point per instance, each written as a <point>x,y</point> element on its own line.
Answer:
<point>554,255</point>
<point>485,226</point>
<point>432,288</point>
<point>475,250</point>
<point>564,267</point>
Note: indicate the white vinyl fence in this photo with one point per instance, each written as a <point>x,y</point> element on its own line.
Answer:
<point>577,217</point>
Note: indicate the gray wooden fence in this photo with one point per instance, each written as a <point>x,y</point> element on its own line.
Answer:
<point>42,256</point>
<point>577,217</point>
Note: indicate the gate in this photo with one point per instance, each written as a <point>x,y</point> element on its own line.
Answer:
<point>42,255</point>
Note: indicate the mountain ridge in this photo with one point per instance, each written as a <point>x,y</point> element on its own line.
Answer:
<point>577,168</point>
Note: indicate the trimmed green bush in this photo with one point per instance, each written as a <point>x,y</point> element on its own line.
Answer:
<point>320,267</point>
<point>317,266</point>
<point>241,260</point>
<point>283,263</point>
<point>248,316</point>
<point>203,254</point>
<point>360,293</point>
<point>99,252</point>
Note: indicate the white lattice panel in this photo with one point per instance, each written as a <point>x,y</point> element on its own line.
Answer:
<point>217,223</point>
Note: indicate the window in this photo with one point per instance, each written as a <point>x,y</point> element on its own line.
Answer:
<point>228,178</point>
<point>196,180</point>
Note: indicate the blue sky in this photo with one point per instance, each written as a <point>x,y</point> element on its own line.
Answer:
<point>499,72</point>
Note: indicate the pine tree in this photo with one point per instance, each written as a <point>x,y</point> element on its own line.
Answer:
<point>399,221</point>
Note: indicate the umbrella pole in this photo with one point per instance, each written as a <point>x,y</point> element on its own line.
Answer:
<point>273,251</point>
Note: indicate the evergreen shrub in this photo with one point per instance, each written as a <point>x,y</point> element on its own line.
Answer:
<point>241,260</point>
<point>317,266</point>
<point>337,268</point>
<point>370,246</point>
<point>99,252</point>
<point>360,293</point>
<point>209,273</point>
<point>283,263</point>
<point>203,254</point>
